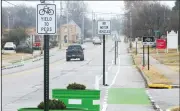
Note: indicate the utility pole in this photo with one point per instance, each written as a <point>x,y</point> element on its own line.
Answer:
<point>67,22</point>
<point>82,33</point>
<point>92,25</point>
<point>130,28</point>
<point>60,24</point>
<point>8,25</point>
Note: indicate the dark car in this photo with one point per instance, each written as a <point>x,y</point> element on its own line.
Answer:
<point>74,51</point>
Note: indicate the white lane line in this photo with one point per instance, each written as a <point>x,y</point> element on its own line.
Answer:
<point>105,105</point>
<point>115,76</point>
<point>109,67</point>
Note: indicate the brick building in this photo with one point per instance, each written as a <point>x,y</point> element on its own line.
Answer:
<point>73,35</point>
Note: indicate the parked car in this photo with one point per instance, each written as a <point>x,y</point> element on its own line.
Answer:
<point>24,48</point>
<point>96,40</point>
<point>87,40</point>
<point>9,47</point>
<point>75,51</point>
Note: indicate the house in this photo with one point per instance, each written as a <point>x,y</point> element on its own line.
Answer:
<point>70,33</point>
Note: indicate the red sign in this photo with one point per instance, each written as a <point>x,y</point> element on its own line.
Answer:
<point>161,44</point>
<point>37,44</point>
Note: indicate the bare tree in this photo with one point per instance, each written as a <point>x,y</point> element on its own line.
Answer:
<point>147,17</point>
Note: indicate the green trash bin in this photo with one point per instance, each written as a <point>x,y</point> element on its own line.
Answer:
<point>89,99</point>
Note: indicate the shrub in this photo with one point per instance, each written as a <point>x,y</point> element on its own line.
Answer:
<point>76,86</point>
<point>53,104</point>
<point>24,50</point>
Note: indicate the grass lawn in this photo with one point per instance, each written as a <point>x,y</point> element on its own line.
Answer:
<point>14,58</point>
<point>155,76</point>
<point>170,59</point>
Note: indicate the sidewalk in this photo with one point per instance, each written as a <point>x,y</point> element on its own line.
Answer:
<point>164,69</point>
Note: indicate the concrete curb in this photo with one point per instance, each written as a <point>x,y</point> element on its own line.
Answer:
<point>142,75</point>
<point>155,106</point>
<point>10,67</point>
<point>19,65</point>
<point>147,81</point>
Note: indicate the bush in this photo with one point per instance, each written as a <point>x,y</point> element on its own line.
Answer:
<point>76,86</point>
<point>53,104</point>
<point>24,50</point>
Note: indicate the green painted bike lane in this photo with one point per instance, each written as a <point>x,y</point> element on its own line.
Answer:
<point>128,96</point>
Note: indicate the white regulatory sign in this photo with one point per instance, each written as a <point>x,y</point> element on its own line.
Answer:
<point>104,27</point>
<point>46,19</point>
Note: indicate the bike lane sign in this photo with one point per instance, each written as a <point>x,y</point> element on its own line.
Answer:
<point>149,40</point>
<point>46,19</point>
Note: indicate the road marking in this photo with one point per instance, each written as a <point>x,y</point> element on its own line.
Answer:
<point>105,105</point>
<point>115,76</point>
<point>30,70</point>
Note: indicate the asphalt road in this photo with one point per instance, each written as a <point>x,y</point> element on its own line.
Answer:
<point>59,55</point>
<point>25,88</point>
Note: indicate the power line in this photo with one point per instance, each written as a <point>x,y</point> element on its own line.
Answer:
<point>10,3</point>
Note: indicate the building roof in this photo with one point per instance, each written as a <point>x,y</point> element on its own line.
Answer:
<point>73,23</point>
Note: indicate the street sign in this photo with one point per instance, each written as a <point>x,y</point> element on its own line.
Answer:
<point>161,44</point>
<point>149,40</point>
<point>46,19</point>
<point>104,27</point>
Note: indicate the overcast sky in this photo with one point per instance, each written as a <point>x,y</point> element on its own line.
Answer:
<point>96,6</point>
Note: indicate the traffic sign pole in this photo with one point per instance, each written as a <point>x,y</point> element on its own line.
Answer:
<point>104,28</point>
<point>136,47</point>
<point>46,72</point>
<point>143,57</point>
<point>115,52</point>
<point>148,57</point>
<point>104,60</point>
<point>46,25</point>
<point>117,49</point>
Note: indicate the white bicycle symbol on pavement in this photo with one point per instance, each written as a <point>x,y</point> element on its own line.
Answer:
<point>46,10</point>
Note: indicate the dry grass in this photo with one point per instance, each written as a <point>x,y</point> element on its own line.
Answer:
<point>12,58</point>
<point>176,108</point>
<point>137,59</point>
<point>170,59</point>
<point>155,76</point>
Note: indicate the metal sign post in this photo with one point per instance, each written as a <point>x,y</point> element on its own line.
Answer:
<point>148,57</point>
<point>104,60</point>
<point>46,72</point>
<point>148,41</point>
<point>46,25</point>
<point>115,52</point>
<point>117,49</point>
<point>143,57</point>
<point>104,28</point>
<point>136,44</point>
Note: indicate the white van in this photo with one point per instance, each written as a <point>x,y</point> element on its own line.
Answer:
<point>9,47</point>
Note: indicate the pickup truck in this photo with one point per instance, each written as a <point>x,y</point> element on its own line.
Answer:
<point>74,51</point>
